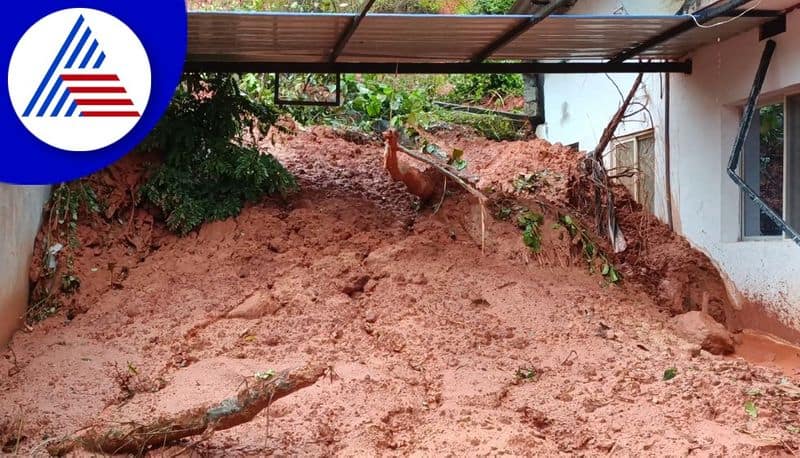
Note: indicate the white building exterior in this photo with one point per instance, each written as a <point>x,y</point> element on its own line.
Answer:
<point>705,110</point>
<point>20,216</point>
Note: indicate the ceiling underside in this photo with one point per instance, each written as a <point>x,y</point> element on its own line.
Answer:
<point>280,37</point>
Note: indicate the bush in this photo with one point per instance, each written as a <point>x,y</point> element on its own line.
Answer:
<point>491,6</point>
<point>209,171</point>
<point>407,6</point>
<point>475,88</point>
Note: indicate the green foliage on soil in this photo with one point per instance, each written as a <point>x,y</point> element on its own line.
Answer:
<point>531,223</point>
<point>372,103</point>
<point>210,170</point>
<point>476,88</point>
<point>68,204</point>
<point>670,374</point>
<point>594,257</point>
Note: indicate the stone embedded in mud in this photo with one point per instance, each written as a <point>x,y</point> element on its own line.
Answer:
<point>699,328</point>
<point>254,307</point>
<point>370,316</point>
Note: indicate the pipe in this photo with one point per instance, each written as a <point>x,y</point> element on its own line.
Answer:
<point>668,152</point>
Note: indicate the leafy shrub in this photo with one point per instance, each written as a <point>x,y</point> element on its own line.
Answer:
<point>369,98</point>
<point>530,223</point>
<point>476,88</point>
<point>407,6</point>
<point>492,127</point>
<point>492,6</point>
<point>209,171</point>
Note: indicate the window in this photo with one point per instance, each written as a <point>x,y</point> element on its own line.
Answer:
<point>771,167</point>
<point>635,156</point>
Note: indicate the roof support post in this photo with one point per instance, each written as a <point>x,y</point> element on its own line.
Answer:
<point>518,30</point>
<point>348,32</point>
<point>703,16</point>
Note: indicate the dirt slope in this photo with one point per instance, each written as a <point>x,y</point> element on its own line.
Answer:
<point>436,348</point>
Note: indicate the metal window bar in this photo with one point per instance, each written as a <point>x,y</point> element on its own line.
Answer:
<point>738,146</point>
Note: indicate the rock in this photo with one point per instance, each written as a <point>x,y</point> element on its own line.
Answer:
<point>254,307</point>
<point>355,284</point>
<point>700,329</point>
<point>692,350</point>
<point>370,316</point>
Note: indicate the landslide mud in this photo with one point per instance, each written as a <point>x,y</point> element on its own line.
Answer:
<point>435,348</point>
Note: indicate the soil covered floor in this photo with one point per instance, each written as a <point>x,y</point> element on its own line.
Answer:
<point>434,347</point>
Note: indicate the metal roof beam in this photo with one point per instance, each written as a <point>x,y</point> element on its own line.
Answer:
<point>518,30</point>
<point>703,16</point>
<point>438,68</point>
<point>348,33</point>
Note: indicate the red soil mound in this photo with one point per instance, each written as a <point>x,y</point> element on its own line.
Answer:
<point>436,348</point>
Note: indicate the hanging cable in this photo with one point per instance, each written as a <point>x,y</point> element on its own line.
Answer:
<point>727,21</point>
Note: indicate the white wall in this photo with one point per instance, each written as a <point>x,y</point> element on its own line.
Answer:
<point>705,110</point>
<point>20,215</point>
<point>578,107</point>
<point>705,115</point>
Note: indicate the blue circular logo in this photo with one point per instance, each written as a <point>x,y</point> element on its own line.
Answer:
<point>87,82</point>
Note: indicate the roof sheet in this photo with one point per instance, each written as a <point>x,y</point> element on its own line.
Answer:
<point>287,37</point>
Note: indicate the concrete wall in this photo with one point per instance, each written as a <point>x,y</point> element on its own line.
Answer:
<point>705,112</point>
<point>20,216</point>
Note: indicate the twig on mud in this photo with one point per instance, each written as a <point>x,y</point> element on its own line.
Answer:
<point>569,357</point>
<point>135,437</point>
<point>441,201</point>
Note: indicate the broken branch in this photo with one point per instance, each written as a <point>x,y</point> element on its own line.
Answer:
<point>135,437</point>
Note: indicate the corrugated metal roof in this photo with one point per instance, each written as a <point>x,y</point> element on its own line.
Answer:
<point>285,37</point>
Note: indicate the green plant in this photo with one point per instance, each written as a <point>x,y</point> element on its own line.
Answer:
<point>478,87</point>
<point>492,6</point>
<point>530,223</point>
<point>751,409</point>
<point>589,249</point>
<point>265,375</point>
<point>492,127</point>
<point>670,373</point>
<point>210,170</point>
<point>527,374</point>
<point>69,202</point>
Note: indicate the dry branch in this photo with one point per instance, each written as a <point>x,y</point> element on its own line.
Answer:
<point>600,175</point>
<point>136,438</point>
<point>445,170</point>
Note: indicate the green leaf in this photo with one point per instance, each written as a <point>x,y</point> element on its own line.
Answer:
<point>265,375</point>
<point>670,373</point>
<point>751,409</point>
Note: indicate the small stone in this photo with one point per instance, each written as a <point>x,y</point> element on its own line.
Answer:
<point>370,316</point>
<point>690,349</point>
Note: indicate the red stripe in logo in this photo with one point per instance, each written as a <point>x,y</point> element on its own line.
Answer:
<point>90,77</point>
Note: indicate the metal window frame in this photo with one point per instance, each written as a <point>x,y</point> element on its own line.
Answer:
<point>634,138</point>
<point>787,181</point>
<point>738,145</point>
